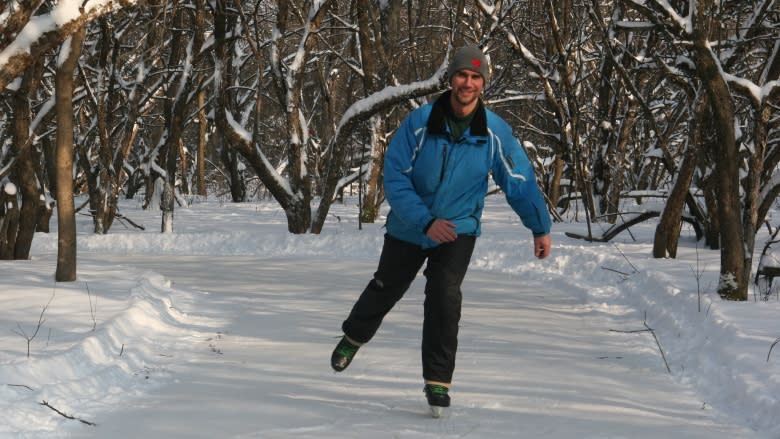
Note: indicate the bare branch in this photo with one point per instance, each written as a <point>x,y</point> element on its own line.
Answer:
<point>772,347</point>
<point>46,404</point>
<point>41,320</point>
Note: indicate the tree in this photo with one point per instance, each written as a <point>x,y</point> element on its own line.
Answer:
<point>292,55</point>
<point>27,169</point>
<point>721,73</point>
<point>297,100</point>
<point>113,104</point>
<point>558,67</point>
<point>183,57</point>
<point>66,224</point>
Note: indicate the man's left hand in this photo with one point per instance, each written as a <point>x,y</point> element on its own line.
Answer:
<point>542,246</point>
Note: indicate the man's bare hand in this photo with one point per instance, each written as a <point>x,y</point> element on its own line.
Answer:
<point>542,246</point>
<point>442,231</point>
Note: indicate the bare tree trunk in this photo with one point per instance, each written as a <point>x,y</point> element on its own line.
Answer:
<point>200,163</point>
<point>554,188</point>
<point>237,181</point>
<point>752,211</point>
<point>373,197</point>
<point>667,232</point>
<point>27,166</point>
<point>369,45</point>
<point>169,152</point>
<point>733,282</point>
<point>611,200</point>
<point>66,215</point>
<point>101,203</point>
<point>769,199</point>
<point>184,171</point>
<point>708,187</point>
<point>9,220</point>
<point>184,55</point>
<point>289,84</point>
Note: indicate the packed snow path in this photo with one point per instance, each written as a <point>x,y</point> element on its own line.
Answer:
<point>533,362</point>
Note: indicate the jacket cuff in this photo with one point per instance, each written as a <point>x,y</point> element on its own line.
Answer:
<point>428,226</point>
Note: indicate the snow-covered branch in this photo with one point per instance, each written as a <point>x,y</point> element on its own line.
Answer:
<point>364,108</point>
<point>46,31</point>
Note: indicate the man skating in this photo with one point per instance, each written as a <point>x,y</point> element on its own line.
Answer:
<point>436,178</point>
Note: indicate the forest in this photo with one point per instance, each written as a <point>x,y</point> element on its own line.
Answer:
<point>296,101</point>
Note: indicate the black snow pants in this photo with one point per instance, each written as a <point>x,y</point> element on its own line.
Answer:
<point>398,266</point>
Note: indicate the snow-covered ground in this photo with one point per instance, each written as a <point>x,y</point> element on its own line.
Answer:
<point>224,328</point>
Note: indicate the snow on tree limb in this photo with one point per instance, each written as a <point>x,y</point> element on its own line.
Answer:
<point>652,8</point>
<point>367,106</point>
<point>43,32</point>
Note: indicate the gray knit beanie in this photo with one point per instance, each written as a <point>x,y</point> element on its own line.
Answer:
<point>471,58</point>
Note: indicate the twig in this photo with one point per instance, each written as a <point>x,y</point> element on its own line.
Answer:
<point>660,349</point>
<point>46,404</point>
<point>652,331</point>
<point>770,349</point>
<point>92,308</point>
<point>697,273</point>
<point>616,271</point>
<point>124,218</point>
<point>41,320</point>
<point>633,331</point>
<point>21,385</point>
<point>636,270</point>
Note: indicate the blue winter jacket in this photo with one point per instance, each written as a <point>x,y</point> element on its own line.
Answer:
<point>428,175</point>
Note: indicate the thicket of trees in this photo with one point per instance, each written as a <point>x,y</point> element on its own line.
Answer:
<point>298,99</point>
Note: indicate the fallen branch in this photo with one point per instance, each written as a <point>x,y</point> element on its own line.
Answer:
<point>617,228</point>
<point>121,217</point>
<point>633,331</point>
<point>46,404</point>
<point>660,349</point>
<point>21,385</point>
<point>770,349</point>
<point>616,271</point>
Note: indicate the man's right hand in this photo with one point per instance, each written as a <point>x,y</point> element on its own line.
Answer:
<point>442,231</point>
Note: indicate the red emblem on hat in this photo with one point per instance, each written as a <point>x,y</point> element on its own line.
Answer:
<point>476,63</point>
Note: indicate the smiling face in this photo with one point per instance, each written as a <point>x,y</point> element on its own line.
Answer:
<point>467,86</point>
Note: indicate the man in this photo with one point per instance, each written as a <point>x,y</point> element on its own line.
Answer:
<point>436,178</point>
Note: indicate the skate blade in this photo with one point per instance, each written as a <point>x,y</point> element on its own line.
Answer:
<point>437,411</point>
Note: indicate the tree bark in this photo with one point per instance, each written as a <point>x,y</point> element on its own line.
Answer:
<point>66,215</point>
<point>733,282</point>
<point>667,232</point>
<point>27,166</point>
<point>9,220</point>
<point>200,164</point>
<point>183,58</point>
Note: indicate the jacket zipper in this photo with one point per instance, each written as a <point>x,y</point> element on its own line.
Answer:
<point>444,157</point>
<point>443,163</point>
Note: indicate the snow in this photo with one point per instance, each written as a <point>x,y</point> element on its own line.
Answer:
<point>224,328</point>
<point>635,25</point>
<point>364,105</point>
<point>239,129</point>
<point>683,23</point>
<point>9,188</point>
<point>64,12</point>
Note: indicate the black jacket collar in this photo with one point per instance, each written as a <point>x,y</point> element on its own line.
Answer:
<point>437,123</point>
